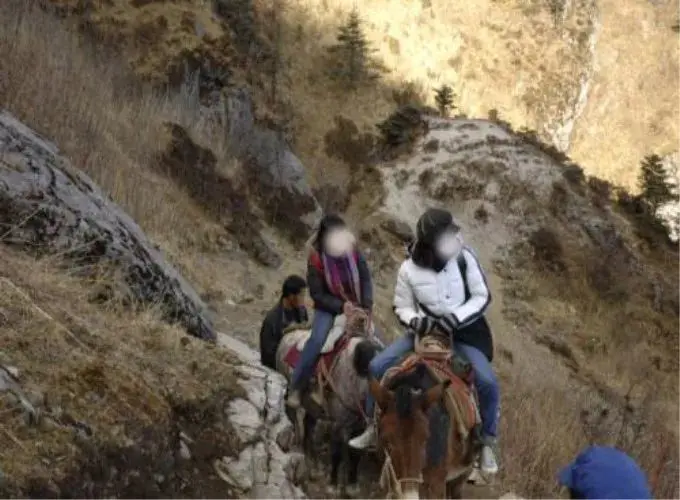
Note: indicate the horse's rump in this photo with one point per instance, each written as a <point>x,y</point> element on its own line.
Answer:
<point>325,362</point>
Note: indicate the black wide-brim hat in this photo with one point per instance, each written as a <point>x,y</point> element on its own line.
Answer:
<point>433,223</point>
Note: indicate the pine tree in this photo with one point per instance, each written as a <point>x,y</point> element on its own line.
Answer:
<point>444,97</point>
<point>351,57</point>
<point>652,181</point>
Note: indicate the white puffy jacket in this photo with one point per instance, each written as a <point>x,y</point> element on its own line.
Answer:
<point>441,293</point>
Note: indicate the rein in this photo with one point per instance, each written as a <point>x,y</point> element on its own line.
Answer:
<point>388,476</point>
<point>329,380</point>
<point>350,331</point>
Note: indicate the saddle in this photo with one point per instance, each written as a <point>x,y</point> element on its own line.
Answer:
<point>336,342</point>
<point>434,352</point>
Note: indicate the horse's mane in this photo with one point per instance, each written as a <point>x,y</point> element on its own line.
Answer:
<point>403,386</point>
<point>404,401</point>
<point>364,352</point>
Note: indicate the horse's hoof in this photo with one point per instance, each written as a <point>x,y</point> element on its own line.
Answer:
<point>353,491</point>
<point>332,491</point>
<point>476,477</point>
<point>315,471</point>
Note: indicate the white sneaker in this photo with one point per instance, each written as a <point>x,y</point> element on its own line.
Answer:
<point>488,463</point>
<point>293,399</point>
<point>364,440</point>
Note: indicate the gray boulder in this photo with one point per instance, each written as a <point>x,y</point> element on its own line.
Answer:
<point>50,207</point>
<point>262,469</point>
<point>274,171</point>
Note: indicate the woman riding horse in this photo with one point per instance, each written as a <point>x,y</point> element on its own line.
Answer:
<point>338,280</point>
<point>431,291</point>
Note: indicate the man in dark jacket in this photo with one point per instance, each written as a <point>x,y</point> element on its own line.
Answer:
<point>290,309</point>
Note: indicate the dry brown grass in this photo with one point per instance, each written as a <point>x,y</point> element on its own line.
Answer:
<point>110,126</point>
<point>117,377</point>
<point>617,334</point>
<point>522,73</point>
<point>101,119</point>
<point>114,131</point>
<point>543,430</point>
<point>634,101</point>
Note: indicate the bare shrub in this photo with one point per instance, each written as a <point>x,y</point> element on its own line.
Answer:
<point>547,249</point>
<point>346,142</point>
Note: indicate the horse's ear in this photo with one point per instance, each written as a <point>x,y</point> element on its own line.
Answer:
<point>434,394</point>
<point>382,395</point>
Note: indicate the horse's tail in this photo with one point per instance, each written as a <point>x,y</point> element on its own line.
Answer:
<point>363,354</point>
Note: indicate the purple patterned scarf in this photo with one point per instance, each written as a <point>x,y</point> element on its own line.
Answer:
<point>342,276</point>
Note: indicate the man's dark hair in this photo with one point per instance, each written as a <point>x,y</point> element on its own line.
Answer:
<point>293,285</point>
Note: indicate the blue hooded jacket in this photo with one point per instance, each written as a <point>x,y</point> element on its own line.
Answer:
<point>605,472</point>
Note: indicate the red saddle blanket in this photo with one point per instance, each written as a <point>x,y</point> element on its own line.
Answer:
<point>462,398</point>
<point>293,355</point>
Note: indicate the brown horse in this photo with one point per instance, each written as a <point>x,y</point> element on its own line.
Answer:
<point>427,451</point>
<point>339,393</point>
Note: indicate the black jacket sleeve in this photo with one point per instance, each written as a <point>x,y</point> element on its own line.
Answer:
<point>366,284</point>
<point>322,298</point>
<point>270,336</point>
<point>304,315</point>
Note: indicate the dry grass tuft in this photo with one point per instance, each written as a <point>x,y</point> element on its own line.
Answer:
<point>615,327</point>
<point>543,430</point>
<point>540,435</point>
<point>116,377</point>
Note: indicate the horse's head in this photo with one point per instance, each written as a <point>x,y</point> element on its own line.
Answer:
<point>404,429</point>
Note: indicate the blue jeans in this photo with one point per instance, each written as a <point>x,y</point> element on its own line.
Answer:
<point>486,384</point>
<point>485,378</point>
<point>386,359</point>
<point>321,325</point>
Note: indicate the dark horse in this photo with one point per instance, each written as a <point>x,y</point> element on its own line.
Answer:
<point>424,452</point>
<point>342,403</point>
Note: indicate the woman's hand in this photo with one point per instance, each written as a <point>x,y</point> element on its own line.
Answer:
<point>422,326</point>
<point>369,315</point>
<point>347,308</point>
<point>447,324</point>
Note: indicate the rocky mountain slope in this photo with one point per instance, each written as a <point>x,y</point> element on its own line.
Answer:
<point>581,72</point>
<point>586,298</point>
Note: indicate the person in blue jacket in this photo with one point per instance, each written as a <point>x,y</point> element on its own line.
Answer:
<point>604,472</point>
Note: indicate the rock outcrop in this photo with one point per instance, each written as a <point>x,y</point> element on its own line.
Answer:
<point>244,426</point>
<point>264,468</point>
<point>50,207</point>
<point>274,171</point>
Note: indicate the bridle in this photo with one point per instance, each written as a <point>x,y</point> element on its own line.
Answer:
<point>389,480</point>
<point>388,476</point>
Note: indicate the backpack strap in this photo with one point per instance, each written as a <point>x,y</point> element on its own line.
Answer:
<point>462,266</point>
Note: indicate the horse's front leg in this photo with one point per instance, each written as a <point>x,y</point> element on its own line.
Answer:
<point>454,489</point>
<point>353,471</point>
<point>336,460</point>
<point>309,426</point>
<point>434,482</point>
<point>353,468</point>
